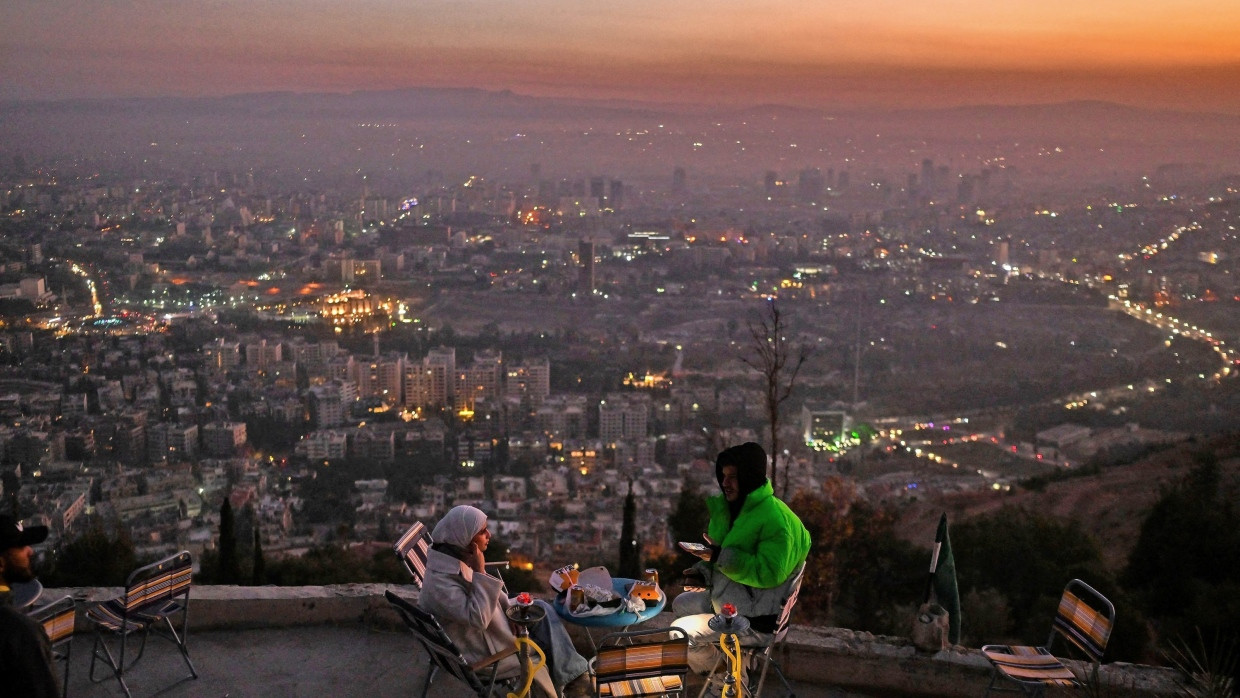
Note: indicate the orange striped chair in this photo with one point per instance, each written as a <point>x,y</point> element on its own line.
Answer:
<point>57,619</point>
<point>154,595</point>
<point>630,664</point>
<point>1085,619</point>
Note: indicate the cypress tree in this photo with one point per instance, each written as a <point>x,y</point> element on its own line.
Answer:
<point>630,548</point>
<point>689,519</point>
<point>258,576</point>
<point>229,571</point>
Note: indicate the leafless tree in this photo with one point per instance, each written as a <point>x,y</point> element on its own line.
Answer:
<point>779,361</point>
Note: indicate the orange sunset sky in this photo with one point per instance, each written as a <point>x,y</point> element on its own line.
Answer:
<point>1183,55</point>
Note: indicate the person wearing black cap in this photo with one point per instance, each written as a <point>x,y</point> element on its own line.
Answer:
<point>756,545</point>
<point>25,652</point>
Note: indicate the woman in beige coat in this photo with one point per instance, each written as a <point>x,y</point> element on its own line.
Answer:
<point>470,603</point>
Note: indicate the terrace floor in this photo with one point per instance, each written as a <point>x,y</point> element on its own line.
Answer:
<point>324,660</point>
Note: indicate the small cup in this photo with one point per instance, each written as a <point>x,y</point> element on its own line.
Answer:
<point>576,598</point>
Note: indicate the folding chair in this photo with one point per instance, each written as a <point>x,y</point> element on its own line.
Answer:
<point>57,619</point>
<point>1085,619</point>
<point>761,652</point>
<point>412,549</point>
<point>481,676</point>
<point>153,595</point>
<point>625,667</point>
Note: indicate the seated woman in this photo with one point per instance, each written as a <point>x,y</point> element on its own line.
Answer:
<point>470,603</point>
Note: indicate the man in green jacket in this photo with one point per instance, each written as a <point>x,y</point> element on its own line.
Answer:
<point>757,548</point>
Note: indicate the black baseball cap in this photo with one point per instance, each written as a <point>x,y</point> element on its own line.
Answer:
<point>13,535</point>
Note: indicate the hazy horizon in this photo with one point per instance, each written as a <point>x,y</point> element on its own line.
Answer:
<point>854,54</point>
<point>669,105</point>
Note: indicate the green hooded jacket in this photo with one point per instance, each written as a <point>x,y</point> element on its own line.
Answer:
<point>764,545</point>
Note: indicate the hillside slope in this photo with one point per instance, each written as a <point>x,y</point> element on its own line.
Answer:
<point>1110,505</point>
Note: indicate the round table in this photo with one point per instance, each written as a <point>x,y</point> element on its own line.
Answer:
<point>24,594</point>
<point>619,619</point>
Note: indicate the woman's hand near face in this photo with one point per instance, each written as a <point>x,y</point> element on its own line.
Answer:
<point>477,545</point>
<point>476,559</point>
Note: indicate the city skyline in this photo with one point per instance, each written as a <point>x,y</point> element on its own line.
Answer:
<point>882,54</point>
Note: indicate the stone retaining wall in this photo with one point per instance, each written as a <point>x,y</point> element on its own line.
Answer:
<point>874,665</point>
<point>239,608</point>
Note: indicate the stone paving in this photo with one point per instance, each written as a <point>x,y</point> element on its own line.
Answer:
<point>315,661</point>
<point>318,661</point>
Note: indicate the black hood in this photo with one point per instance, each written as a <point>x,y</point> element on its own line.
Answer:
<point>750,462</point>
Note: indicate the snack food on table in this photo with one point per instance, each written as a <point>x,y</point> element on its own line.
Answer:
<point>564,578</point>
<point>589,600</point>
<point>646,591</point>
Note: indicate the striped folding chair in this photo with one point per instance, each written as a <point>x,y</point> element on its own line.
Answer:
<point>411,548</point>
<point>154,594</point>
<point>57,619</point>
<point>481,676</point>
<point>631,664</point>
<point>762,654</point>
<point>758,649</point>
<point>1085,619</point>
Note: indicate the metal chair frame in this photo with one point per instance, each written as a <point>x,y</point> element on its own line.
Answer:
<point>413,547</point>
<point>1084,619</point>
<point>755,654</point>
<point>154,594</point>
<point>481,676</point>
<point>58,619</point>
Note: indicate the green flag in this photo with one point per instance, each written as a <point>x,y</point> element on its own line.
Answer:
<point>942,584</point>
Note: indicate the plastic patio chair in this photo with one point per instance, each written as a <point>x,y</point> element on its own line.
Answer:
<point>1085,619</point>
<point>154,595</point>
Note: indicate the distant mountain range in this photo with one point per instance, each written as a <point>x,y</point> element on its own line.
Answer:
<point>470,131</point>
<point>410,103</point>
<point>428,102</point>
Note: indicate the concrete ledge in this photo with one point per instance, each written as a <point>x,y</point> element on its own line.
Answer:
<point>892,666</point>
<point>237,607</point>
<point>859,661</point>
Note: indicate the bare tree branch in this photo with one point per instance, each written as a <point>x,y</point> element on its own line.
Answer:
<point>779,363</point>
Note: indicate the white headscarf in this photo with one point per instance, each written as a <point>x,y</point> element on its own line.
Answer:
<point>459,526</point>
